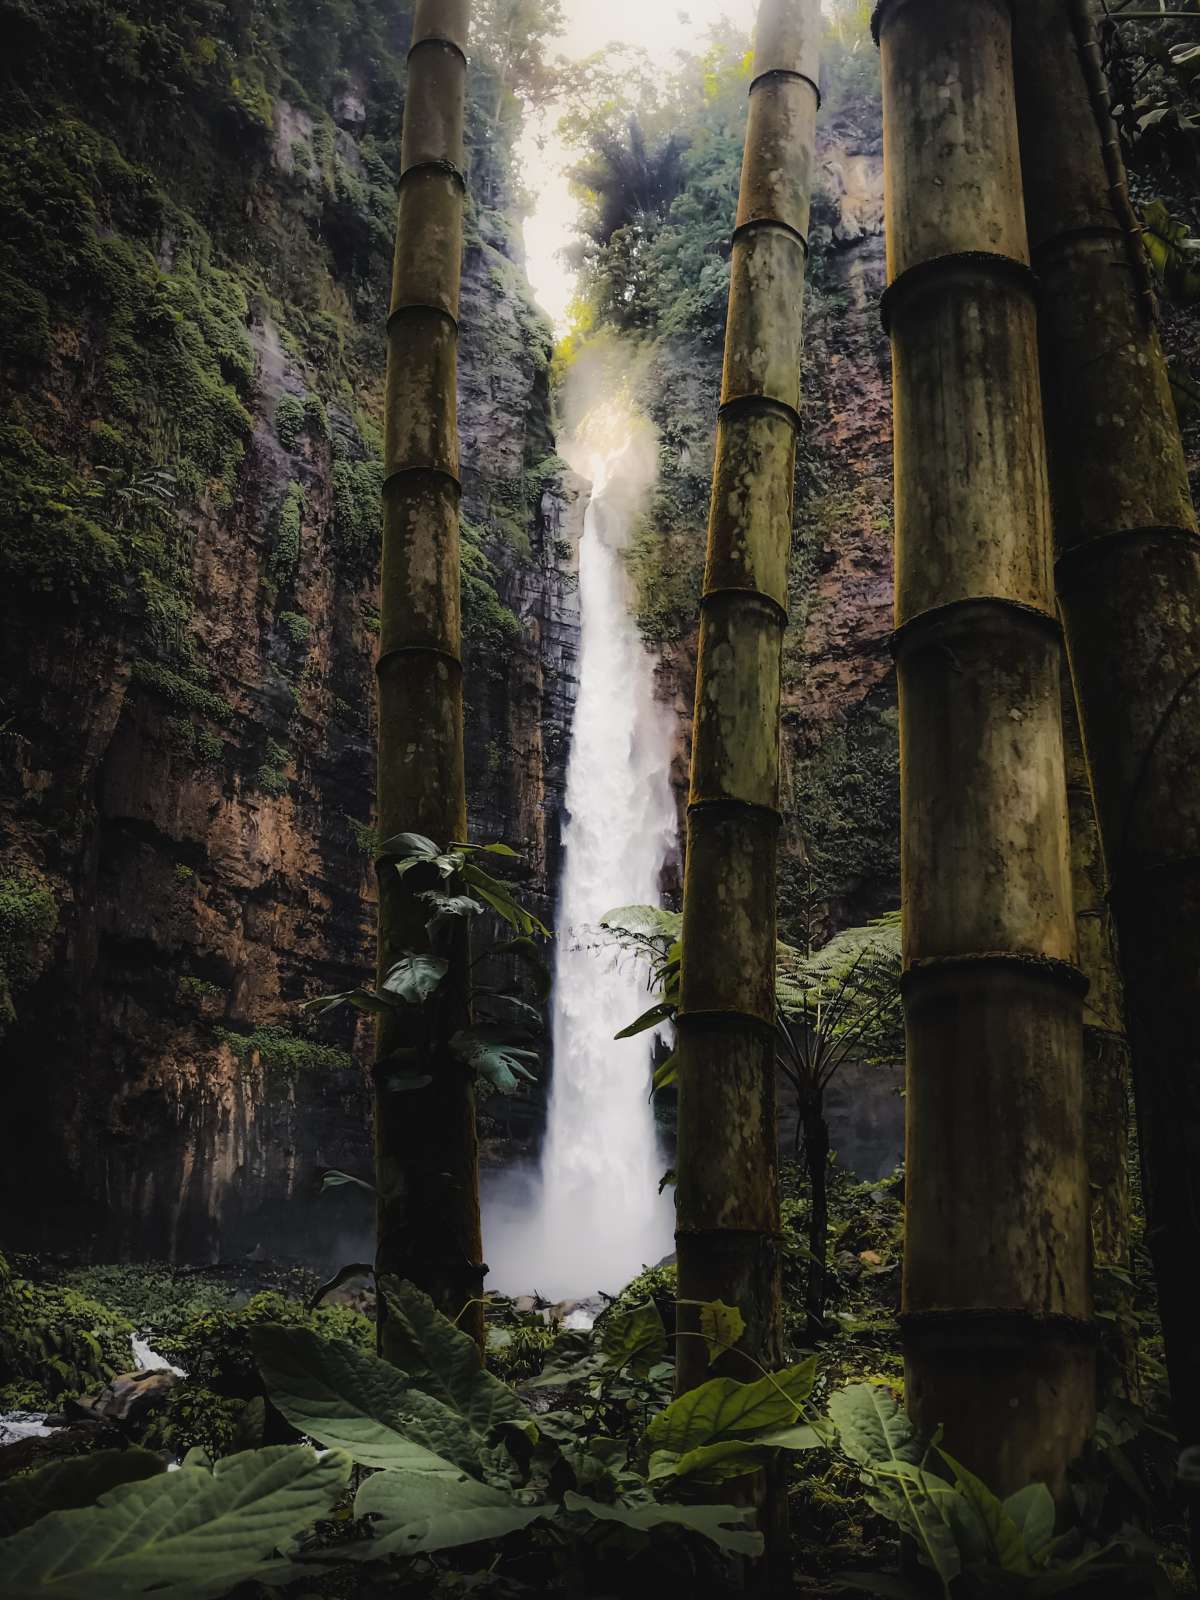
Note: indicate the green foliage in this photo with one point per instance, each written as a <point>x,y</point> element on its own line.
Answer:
<point>178,690</point>
<point>195,991</point>
<point>452,887</point>
<point>66,1485</point>
<point>155,1299</point>
<point>214,1347</point>
<point>289,421</point>
<point>28,920</point>
<point>194,1418</point>
<point>285,540</point>
<point>271,776</point>
<point>56,1342</point>
<point>521,1351</point>
<point>460,1458</point>
<point>201,1530</point>
<point>279,1050</point>
<point>976,1544</point>
<point>848,794</point>
<point>488,624</point>
<point>357,514</point>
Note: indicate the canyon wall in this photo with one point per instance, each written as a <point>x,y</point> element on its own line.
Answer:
<point>198,216</point>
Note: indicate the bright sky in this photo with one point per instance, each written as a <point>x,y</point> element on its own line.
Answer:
<point>659,26</point>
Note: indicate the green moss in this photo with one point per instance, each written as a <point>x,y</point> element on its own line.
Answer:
<point>488,624</point>
<point>271,777</point>
<point>846,798</point>
<point>28,918</point>
<point>180,691</point>
<point>357,514</point>
<point>289,421</point>
<point>194,991</point>
<point>285,1052</point>
<point>316,419</point>
<point>365,838</point>
<point>297,628</point>
<point>285,544</point>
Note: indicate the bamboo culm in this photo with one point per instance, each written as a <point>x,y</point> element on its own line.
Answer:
<point>425,1141</point>
<point>727,1195</point>
<point>996,1322</point>
<point>1128,580</point>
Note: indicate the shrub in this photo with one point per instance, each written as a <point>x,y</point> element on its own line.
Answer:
<point>215,1351</point>
<point>28,917</point>
<point>285,546</point>
<point>289,422</point>
<point>56,1342</point>
<point>282,1051</point>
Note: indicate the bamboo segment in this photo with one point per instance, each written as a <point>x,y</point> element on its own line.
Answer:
<point>728,1207</point>
<point>1128,576</point>
<point>425,1141</point>
<point>998,1341</point>
<point>1106,1077</point>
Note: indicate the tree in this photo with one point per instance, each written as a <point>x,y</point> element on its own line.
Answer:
<point>727,1194</point>
<point>426,1149</point>
<point>511,36</point>
<point>1128,576</point>
<point>997,1336</point>
<point>839,1004</point>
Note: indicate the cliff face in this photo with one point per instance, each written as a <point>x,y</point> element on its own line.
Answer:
<point>840,863</point>
<point>199,216</point>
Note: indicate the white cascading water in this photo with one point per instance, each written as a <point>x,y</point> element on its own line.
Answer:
<point>602,1215</point>
<point>596,1217</point>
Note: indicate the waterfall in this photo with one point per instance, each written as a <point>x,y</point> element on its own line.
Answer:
<point>597,1215</point>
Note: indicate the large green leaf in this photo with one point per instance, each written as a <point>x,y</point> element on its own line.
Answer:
<point>414,978</point>
<point>875,1432</point>
<point>352,1401</point>
<point>731,1458</point>
<point>654,1018</point>
<point>720,1325</point>
<point>1032,1509</point>
<point>725,1526</point>
<point>872,1427</point>
<point>420,1512</point>
<point>444,1362</point>
<point>405,845</point>
<point>724,1406</point>
<point>66,1485</point>
<point>491,1051</point>
<point>183,1535</point>
<point>1003,1542</point>
<point>633,1340</point>
<point>499,896</point>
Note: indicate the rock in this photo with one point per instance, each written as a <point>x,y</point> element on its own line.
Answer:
<point>128,1399</point>
<point>349,111</point>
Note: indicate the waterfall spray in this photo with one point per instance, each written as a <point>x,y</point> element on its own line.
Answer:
<point>599,1217</point>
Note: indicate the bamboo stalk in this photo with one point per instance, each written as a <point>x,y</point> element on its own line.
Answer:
<point>727,1194</point>
<point>425,1142</point>
<point>1128,576</point>
<point>997,1336</point>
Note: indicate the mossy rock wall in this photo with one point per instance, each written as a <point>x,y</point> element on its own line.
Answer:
<point>196,215</point>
